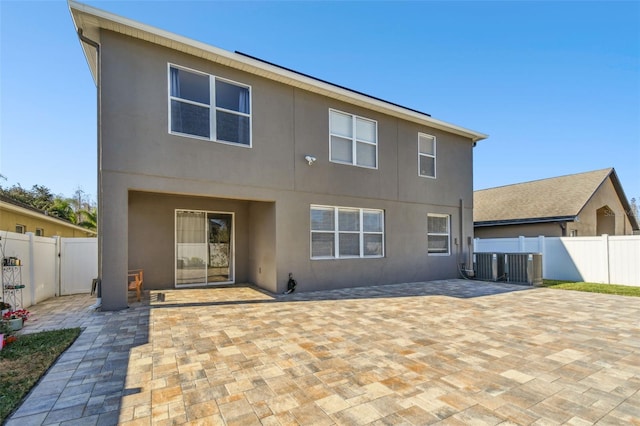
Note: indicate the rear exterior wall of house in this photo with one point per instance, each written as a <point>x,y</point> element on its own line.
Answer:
<point>147,173</point>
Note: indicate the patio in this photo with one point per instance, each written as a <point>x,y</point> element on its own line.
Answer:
<point>454,351</point>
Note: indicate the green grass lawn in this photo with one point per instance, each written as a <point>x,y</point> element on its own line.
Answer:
<point>622,290</point>
<point>24,361</point>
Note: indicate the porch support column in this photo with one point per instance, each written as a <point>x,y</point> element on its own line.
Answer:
<point>113,246</point>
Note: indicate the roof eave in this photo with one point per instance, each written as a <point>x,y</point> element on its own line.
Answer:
<point>41,216</point>
<point>524,221</point>
<point>623,199</point>
<point>91,20</point>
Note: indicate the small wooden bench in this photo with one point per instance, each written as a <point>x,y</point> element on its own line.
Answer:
<point>134,282</point>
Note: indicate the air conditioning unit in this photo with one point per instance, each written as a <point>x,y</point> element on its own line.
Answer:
<point>523,268</point>
<point>488,266</point>
<point>517,268</point>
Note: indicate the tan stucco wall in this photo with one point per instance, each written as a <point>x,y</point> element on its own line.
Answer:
<point>605,196</point>
<point>9,219</point>
<point>147,173</point>
<point>512,231</point>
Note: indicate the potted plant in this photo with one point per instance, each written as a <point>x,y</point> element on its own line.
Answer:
<point>15,319</point>
<point>4,307</point>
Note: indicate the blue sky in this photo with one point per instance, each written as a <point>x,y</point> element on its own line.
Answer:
<point>556,85</point>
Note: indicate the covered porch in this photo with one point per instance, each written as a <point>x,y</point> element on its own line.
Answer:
<point>193,241</point>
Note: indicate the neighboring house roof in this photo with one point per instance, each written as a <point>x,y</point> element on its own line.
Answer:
<point>548,200</point>
<point>25,209</point>
<point>90,20</point>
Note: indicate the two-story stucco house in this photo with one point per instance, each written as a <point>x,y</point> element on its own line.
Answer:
<point>219,168</point>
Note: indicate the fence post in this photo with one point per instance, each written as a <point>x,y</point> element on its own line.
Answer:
<point>57,268</point>
<point>542,250</point>
<point>31,269</point>
<point>605,240</point>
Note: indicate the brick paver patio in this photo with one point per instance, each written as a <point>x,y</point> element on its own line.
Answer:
<point>450,352</point>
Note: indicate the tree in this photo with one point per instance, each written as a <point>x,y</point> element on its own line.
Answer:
<point>62,209</point>
<point>634,209</point>
<point>79,209</point>
<point>89,219</point>
<point>41,197</point>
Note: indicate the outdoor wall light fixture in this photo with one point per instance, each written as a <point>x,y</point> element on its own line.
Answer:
<point>310,159</point>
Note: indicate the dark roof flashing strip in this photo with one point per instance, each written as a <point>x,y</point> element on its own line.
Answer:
<point>328,82</point>
<point>525,221</point>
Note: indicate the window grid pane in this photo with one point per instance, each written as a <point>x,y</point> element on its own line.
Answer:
<point>322,219</point>
<point>438,224</point>
<point>341,124</point>
<point>190,119</point>
<point>365,130</point>
<point>372,221</point>
<point>366,154</point>
<point>232,97</point>
<point>427,145</point>
<point>349,220</point>
<point>349,244</point>
<point>341,149</point>
<point>372,245</point>
<point>232,128</point>
<point>438,244</point>
<point>190,86</point>
<point>427,166</point>
<point>322,244</point>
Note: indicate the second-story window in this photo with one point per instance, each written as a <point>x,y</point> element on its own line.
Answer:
<point>205,106</point>
<point>353,139</point>
<point>426,155</point>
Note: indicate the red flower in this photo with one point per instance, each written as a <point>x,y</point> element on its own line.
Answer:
<point>20,313</point>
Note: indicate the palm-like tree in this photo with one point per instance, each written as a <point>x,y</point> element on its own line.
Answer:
<point>89,219</point>
<point>62,209</point>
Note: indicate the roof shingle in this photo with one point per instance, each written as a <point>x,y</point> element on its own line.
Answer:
<point>556,197</point>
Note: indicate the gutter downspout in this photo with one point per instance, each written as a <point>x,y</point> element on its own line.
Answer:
<point>96,45</point>
<point>461,246</point>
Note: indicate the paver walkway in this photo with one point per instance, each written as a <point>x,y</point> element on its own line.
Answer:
<point>449,352</point>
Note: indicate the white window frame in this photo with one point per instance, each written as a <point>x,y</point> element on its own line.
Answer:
<point>39,232</point>
<point>21,229</point>
<point>211,106</point>
<point>354,139</point>
<point>439,234</point>
<point>336,232</point>
<point>421,154</point>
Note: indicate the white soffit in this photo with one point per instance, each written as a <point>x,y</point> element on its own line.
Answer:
<point>91,20</point>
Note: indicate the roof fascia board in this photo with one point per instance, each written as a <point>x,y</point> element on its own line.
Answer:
<point>41,216</point>
<point>525,221</point>
<point>623,199</point>
<point>120,24</point>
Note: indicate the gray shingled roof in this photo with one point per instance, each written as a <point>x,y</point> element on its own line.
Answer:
<point>546,199</point>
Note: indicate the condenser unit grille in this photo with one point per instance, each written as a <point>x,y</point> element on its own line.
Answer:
<point>487,266</point>
<point>517,268</point>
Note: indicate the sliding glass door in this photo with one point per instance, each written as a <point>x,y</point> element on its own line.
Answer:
<point>204,248</point>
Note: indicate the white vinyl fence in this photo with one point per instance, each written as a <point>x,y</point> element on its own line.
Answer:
<point>51,266</point>
<point>604,259</point>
